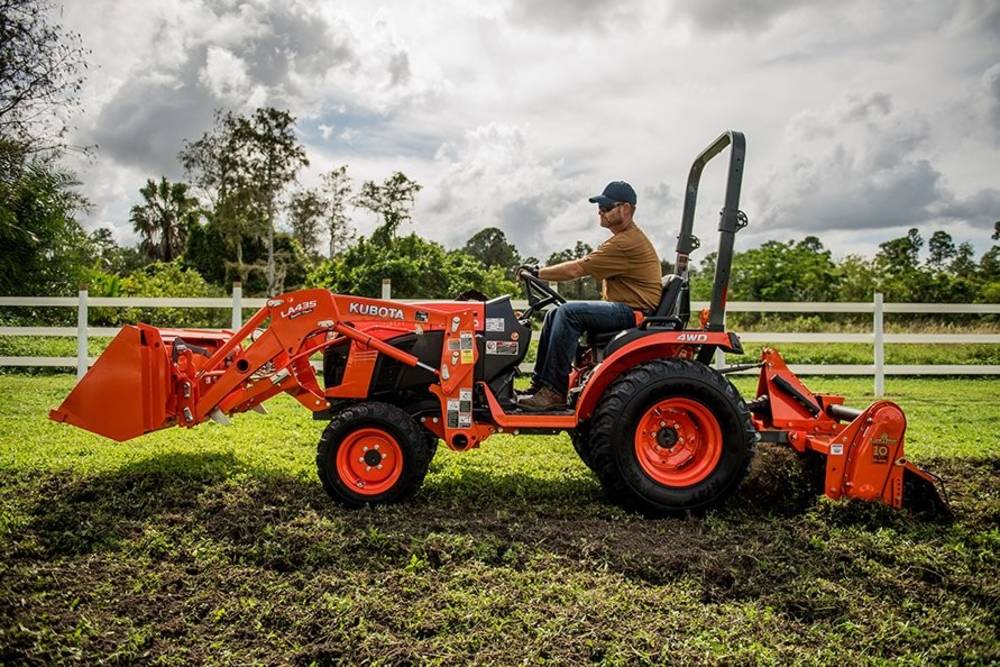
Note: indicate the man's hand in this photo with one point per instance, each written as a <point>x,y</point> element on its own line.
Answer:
<point>524,270</point>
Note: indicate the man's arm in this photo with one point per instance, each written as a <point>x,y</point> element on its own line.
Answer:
<point>563,271</point>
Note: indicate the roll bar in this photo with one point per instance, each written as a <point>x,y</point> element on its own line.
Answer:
<point>731,220</point>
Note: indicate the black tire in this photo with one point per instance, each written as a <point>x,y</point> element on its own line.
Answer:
<point>432,446</point>
<point>408,443</point>
<point>579,437</point>
<point>612,442</point>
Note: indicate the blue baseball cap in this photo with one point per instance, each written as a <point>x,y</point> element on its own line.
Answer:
<point>616,192</point>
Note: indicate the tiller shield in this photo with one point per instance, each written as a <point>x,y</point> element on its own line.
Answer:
<point>136,385</point>
<point>864,457</point>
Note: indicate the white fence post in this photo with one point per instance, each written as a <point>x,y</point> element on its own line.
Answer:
<point>237,306</point>
<point>879,347</point>
<point>81,333</point>
<point>387,288</point>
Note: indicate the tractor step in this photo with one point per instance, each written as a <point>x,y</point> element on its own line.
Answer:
<point>514,410</point>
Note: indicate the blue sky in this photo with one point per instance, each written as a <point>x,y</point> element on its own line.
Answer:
<point>862,118</point>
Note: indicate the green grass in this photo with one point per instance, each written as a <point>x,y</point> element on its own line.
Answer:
<point>217,545</point>
<point>796,353</point>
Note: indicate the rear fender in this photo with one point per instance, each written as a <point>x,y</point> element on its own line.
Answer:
<point>665,345</point>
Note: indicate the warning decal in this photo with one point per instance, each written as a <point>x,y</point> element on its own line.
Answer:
<point>504,347</point>
<point>464,408</point>
<point>466,345</point>
<point>494,324</point>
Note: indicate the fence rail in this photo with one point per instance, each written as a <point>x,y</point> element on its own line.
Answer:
<point>877,337</point>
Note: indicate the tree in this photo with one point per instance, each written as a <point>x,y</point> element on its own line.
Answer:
<point>418,269</point>
<point>336,192</point>
<point>855,279</point>
<point>490,247</point>
<point>208,251</point>
<point>963,265</point>
<point>305,213</point>
<point>942,250</point>
<point>391,201</point>
<point>271,157</point>
<point>41,73</point>
<point>996,231</point>
<point>784,271</point>
<point>44,249</point>
<point>579,288</point>
<point>313,209</point>
<point>212,164</point>
<point>112,257</point>
<point>244,165</point>
<point>163,218</point>
<point>901,254</point>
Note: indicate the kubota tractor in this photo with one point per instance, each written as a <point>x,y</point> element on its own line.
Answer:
<point>659,426</point>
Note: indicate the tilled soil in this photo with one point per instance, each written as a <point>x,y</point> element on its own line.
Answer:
<point>152,564</point>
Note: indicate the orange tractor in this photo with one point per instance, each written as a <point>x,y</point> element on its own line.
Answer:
<point>660,427</point>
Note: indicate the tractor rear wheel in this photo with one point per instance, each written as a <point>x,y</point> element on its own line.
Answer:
<point>671,435</point>
<point>579,437</point>
<point>372,454</point>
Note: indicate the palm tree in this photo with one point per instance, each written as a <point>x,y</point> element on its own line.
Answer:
<point>163,218</point>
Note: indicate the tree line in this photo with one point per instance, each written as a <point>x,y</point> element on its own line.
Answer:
<point>240,214</point>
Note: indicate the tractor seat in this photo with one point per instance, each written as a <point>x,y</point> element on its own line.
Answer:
<point>670,291</point>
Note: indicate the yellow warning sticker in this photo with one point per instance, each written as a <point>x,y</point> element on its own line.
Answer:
<point>466,345</point>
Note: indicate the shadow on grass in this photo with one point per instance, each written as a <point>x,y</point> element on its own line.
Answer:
<point>77,514</point>
<point>183,536</point>
<point>765,537</point>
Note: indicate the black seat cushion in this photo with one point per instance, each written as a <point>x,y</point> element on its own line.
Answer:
<point>601,338</point>
<point>671,289</point>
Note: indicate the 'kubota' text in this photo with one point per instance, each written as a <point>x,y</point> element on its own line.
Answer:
<point>384,312</point>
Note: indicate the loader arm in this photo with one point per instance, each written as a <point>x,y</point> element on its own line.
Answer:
<point>150,378</point>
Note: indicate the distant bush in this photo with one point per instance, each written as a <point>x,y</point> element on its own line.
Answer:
<point>418,269</point>
<point>159,279</point>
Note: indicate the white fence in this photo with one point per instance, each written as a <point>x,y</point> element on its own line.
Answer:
<point>877,337</point>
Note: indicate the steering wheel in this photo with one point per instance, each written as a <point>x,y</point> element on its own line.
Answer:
<point>539,295</point>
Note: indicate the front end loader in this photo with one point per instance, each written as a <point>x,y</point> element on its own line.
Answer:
<point>660,427</point>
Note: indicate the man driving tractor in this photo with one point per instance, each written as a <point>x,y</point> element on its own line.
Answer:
<point>629,267</point>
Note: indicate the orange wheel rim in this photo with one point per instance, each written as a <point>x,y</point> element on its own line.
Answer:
<point>369,461</point>
<point>678,442</point>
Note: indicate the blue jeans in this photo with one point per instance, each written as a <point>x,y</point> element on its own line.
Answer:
<point>561,333</point>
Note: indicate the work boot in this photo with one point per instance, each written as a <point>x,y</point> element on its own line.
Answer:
<point>543,400</point>
<point>533,389</point>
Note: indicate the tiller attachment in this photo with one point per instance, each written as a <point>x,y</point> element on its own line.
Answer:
<point>134,387</point>
<point>864,458</point>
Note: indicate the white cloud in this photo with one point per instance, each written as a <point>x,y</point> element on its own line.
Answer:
<point>858,115</point>
<point>225,75</point>
<point>862,164</point>
<point>493,177</point>
<point>991,93</point>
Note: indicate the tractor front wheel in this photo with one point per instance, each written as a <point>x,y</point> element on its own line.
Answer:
<point>372,454</point>
<point>671,435</point>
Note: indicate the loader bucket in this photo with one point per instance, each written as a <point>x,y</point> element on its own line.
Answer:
<point>128,390</point>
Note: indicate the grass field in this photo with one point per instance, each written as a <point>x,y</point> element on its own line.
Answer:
<point>219,546</point>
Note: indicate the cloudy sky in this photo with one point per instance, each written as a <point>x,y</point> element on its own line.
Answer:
<point>862,118</point>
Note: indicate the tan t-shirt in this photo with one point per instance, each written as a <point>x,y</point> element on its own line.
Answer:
<point>630,268</point>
